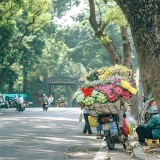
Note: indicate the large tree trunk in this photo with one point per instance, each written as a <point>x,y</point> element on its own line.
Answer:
<point>143,17</point>
<point>127,63</point>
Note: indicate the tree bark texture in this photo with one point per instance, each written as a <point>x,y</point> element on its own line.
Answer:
<point>144,19</point>
<point>126,46</point>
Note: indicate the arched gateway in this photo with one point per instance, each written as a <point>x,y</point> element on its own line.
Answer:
<point>48,85</point>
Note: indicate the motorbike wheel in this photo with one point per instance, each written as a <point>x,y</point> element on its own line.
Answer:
<point>110,142</point>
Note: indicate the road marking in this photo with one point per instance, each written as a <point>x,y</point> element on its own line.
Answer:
<point>102,153</point>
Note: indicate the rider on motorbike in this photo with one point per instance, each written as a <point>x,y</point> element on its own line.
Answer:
<point>61,101</point>
<point>44,100</point>
<point>14,101</point>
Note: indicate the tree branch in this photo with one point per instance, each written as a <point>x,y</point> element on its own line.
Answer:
<point>99,34</point>
<point>13,13</point>
<point>99,12</point>
<point>8,10</point>
<point>20,38</point>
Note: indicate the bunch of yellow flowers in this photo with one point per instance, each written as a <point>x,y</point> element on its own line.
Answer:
<point>126,85</point>
<point>120,70</point>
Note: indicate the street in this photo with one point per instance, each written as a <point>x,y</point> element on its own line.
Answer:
<point>53,135</point>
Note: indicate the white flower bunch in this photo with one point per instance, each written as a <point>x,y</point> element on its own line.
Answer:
<point>77,93</point>
<point>80,98</point>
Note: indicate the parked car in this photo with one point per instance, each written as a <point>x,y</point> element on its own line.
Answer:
<point>3,103</point>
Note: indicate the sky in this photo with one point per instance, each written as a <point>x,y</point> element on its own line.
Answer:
<point>66,20</point>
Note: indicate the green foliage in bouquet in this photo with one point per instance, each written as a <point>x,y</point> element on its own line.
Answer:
<point>92,76</point>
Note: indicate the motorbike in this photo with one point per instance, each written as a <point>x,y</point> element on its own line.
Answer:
<point>45,107</point>
<point>112,131</point>
<point>21,107</point>
<point>61,104</point>
<point>12,104</point>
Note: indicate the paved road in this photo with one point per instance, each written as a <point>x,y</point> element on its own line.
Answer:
<point>52,135</point>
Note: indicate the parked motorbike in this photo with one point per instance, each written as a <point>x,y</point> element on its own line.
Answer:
<point>112,131</point>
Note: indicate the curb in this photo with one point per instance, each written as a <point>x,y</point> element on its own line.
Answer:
<point>139,154</point>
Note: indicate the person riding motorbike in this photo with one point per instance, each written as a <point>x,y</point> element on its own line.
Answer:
<point>20,101</point>
<point>14,102</point>
<point>61,101</point>
<point>44,100</point>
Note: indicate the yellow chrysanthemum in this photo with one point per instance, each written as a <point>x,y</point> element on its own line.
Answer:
<point>125,84</point>
<point>132,90</point>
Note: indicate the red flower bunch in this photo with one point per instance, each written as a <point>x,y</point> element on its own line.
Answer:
<point>126,95</point>
<point>118,90</point>
<point>112,97</point>
<point>87,91</point>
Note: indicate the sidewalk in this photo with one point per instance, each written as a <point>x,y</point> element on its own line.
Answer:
<point>139,152</point>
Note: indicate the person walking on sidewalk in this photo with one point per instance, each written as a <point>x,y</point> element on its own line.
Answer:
<point>150,130</point>
<point>87,127</point>
<point>51,99</point>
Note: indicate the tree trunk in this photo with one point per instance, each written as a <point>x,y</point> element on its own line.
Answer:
<point>143,17</point>
<point>25,84</point>
<point>115,58</point>
<point>126,46</point>
<point>2,77</point>
<point>10,87</point>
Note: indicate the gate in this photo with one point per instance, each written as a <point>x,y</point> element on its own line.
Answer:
<point>48,86</point>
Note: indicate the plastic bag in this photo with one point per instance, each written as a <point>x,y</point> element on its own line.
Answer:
<point>92,121</point>
<point>130,119</point>
<point>130,130</point>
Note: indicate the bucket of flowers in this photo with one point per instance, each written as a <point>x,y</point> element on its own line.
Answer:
<point>106,91</point>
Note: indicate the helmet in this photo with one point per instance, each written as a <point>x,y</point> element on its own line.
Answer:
<point>20,95</point>
<point>153,103</point>
<point>43,95</point>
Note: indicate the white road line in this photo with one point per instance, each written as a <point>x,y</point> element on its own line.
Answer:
<point>102,153</point>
